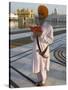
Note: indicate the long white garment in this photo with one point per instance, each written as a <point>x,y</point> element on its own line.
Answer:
<point>39,63</point>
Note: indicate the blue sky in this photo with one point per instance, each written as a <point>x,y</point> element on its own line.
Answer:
<point>61,9</point>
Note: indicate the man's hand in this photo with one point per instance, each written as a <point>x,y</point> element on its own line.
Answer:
<point>35,34</point>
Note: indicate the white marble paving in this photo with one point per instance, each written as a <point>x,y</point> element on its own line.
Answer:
<point>28,34</point>
<point>56,75</point>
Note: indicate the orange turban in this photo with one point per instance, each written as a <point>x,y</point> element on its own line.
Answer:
<point>43,10</point>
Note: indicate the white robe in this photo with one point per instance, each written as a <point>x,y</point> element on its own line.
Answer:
<point>39,63</point>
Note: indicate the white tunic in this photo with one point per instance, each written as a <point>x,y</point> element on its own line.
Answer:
<point>40,63</point>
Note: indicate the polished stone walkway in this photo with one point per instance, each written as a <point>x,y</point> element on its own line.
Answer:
<point>21,65</point>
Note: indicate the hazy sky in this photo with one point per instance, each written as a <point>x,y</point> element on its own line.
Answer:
<point>61,9</point>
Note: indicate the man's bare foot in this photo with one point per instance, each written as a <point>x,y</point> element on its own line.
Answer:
<point>45,84</point>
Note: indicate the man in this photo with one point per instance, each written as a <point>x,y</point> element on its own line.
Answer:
<point>42,37</point>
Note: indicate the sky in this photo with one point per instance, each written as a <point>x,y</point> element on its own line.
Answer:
<point>61,9</point>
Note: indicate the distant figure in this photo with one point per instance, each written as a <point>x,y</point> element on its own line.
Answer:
<point>42,36</point>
